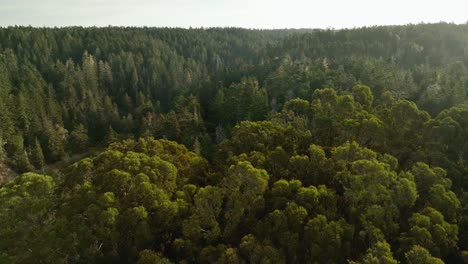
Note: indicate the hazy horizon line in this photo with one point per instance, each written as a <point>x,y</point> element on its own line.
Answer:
<point>233,27</point>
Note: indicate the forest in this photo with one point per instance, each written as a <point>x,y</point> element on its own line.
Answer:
<point>229,145</point>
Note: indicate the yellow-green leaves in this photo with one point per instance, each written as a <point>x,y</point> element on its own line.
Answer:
<point>244,187</point>
<point>379,253</point>
<point>362,94</point>
<point>327,239</point>
<point>27,215</point>
<point>420,255</point>
<point>429,229</point>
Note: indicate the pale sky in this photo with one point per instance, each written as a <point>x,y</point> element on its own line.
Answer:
<point>236,13</point>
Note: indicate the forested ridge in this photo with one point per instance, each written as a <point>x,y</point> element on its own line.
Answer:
<point>228,145</point>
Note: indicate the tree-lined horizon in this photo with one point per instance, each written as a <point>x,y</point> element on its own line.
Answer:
<point>224,13</point>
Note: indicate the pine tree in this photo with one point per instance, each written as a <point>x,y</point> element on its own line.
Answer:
<point>36,155</point>
<point>111,136</point>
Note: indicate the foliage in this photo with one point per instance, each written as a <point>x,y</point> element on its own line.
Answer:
<point>256,159</point>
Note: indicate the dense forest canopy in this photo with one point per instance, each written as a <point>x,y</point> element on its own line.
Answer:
<point>227,145</point>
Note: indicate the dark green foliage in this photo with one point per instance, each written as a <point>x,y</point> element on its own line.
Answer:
<point>36,155</point>
<point>78,139</point>
<point>256,161</point>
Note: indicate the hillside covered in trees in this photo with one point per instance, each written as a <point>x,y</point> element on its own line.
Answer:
<point>227,145</point>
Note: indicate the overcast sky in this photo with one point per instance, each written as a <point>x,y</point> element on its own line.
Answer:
<point>238,13</point>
